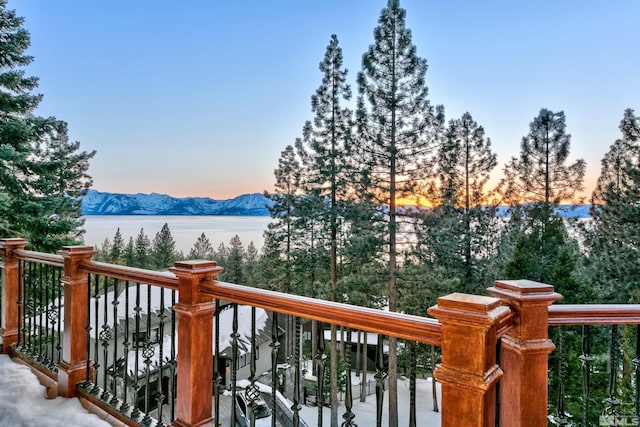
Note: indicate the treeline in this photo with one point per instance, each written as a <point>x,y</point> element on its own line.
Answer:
<point>241,264</point>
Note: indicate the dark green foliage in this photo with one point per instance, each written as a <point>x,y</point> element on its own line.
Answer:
<point>42,174</point>
<point>142,251</point>
<point>459,232</point>
<point>202,249</point>
<point>545,253</point>
<point>164,249</point>
<point>614,237</point>
<point>541,173</point>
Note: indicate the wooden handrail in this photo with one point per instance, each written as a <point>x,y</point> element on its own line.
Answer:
<point>164,279</point>
<point>40,257</point>
<point>414,328</point>
<point>594,314</point>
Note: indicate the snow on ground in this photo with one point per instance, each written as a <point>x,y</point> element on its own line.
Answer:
<point>366,411</point>
<point>22,402</point>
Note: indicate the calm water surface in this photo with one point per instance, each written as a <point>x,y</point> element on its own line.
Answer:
<point>184,229</point>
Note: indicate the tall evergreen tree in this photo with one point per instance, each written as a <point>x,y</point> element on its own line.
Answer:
<point>116,254</point>
<point>142,249</point>
<point>129,255</point>
<point>397,136</point>
<point>324,157</point>
<point>252,258</point>
<point>614,237</point>
<point>285,200</point>
<point>202,248</point>
<point>164,248</point>
<point>42,174</point>
<point>542,174</point>
<point>234,264</point>
<point>460,230</point>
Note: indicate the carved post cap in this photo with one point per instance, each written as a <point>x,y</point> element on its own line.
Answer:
<point>477,309</point>
<point>78,251</point>
<point>198,266</point>
<point>190,275</point>
<point>13,242</point>
<point>524,291</point>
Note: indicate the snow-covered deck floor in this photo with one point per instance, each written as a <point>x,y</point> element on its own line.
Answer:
<point>23,402</point>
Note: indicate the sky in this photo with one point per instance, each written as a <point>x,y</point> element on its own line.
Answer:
<point>200,97</point>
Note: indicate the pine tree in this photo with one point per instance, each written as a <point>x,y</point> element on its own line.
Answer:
<point>614,236</point>
<point>460,230</point>
<point>142,249</point>
<point>164,248</point>
<point>285,204</point>
<point>202,249</point>
<point>129,255</point>
<point>325,157</point>
<point>116,254</point>
<point>43,175</point>
<point>397,136</point>
<point>251,260</point>
<point>541,174</point>
<point>234,264</point>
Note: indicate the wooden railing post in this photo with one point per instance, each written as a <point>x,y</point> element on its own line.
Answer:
<point>195,344</point>
<point>73,366</point>
<point>468,372</point>
<point>10,292</point>
<point>525,352</point>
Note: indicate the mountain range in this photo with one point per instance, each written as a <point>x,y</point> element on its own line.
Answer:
<point>100,203</point>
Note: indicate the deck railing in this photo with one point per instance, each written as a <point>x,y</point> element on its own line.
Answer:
<point>486,343</point>
<point>599,349</point>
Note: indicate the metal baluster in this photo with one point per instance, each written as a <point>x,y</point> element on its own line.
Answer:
<point>612,402</point>
<point>87,377</point>
<point>586,359</point>
<point>59,303</point>
<point>234,361</point>
<point>348,416</point>
<point>51,319</point>
<point>40,311</point>
<point>124,408</point>
<point>172,385</point>
<point>21,308</point>
<point>636,364</point>
<point>96,354</point>
<point>147,352</point>
<point>160,395</point>
<point>105,337</point>
<point>252,391</point>
<point>114,303</point>
<point>46,307</point>
<point>412,384</point>
<point>320,368</point>
<point>30,305</point>
<point>561,418</point>
<point>434,389</point>
<point>297,380</point>
<point>380,376</point>
<point>135,414</point>
<point>49,312</point>
<point>275,346</point>
<point>217,378</point>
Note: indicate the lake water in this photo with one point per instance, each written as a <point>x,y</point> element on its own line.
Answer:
<point>184,229</point>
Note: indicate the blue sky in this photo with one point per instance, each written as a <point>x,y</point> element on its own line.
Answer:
<point>199,97</point>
